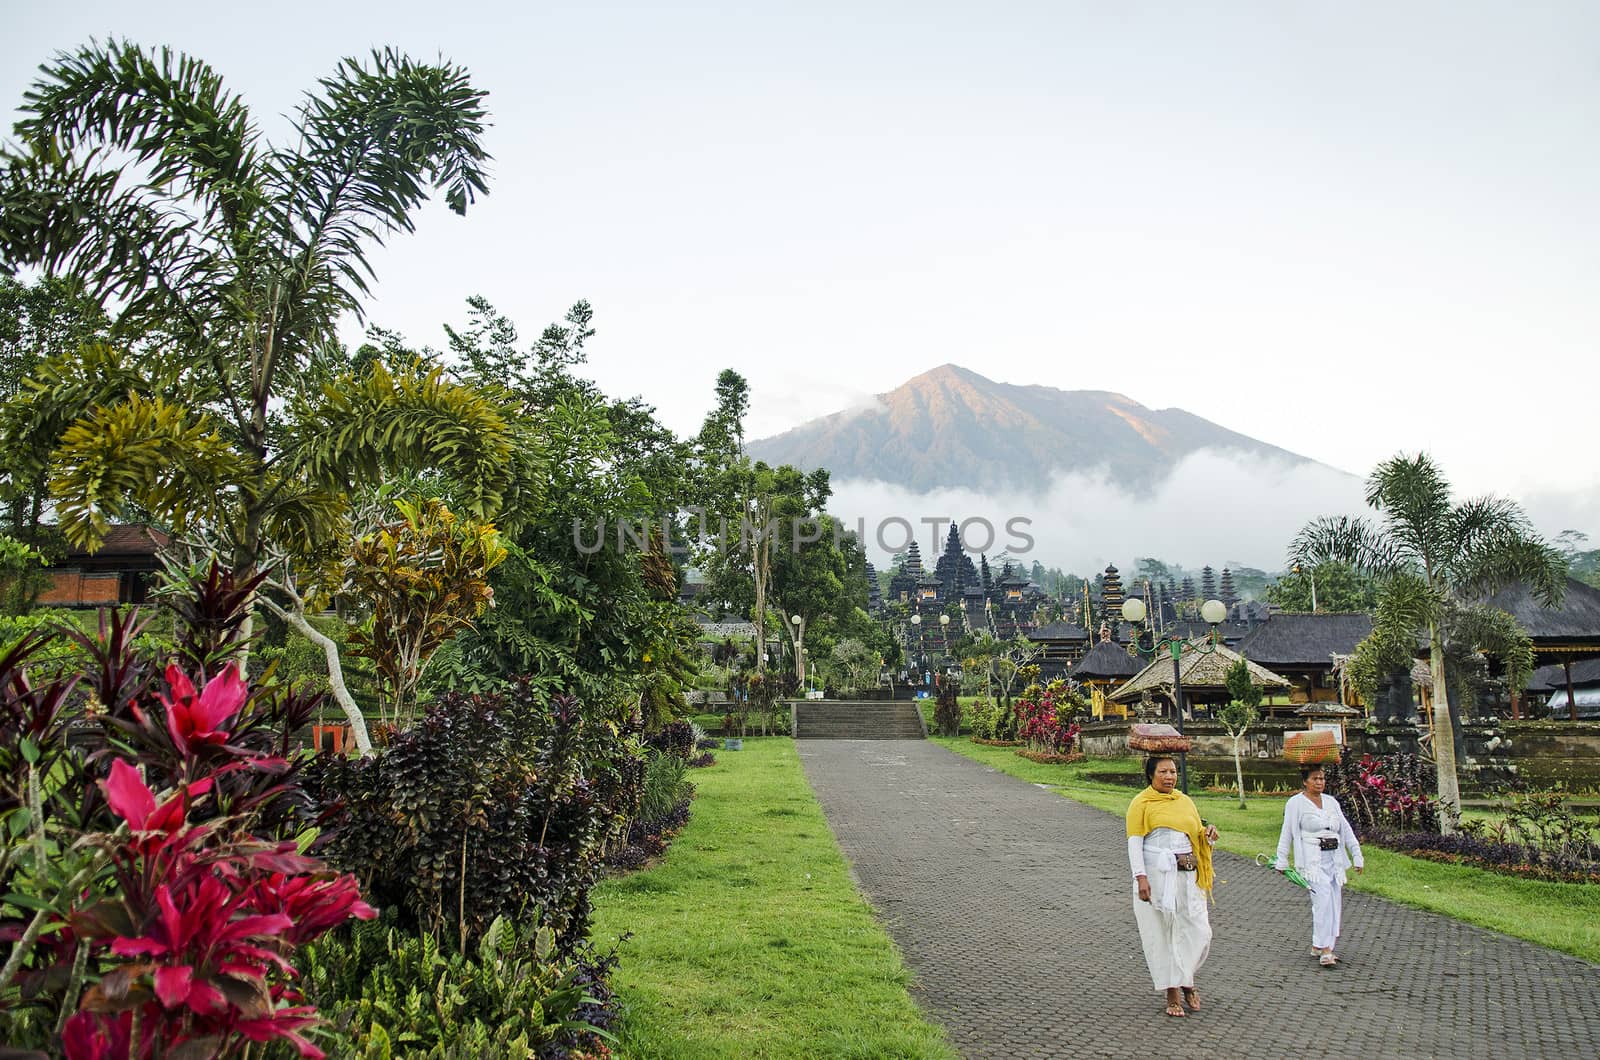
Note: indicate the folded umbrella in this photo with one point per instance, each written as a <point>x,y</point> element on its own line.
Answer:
<point>1265,861</point>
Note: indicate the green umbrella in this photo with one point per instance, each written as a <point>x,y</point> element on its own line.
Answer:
<point>1265,860</point>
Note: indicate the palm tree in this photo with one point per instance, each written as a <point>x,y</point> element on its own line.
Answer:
<point>139,176</point>
<point>1433,557</point>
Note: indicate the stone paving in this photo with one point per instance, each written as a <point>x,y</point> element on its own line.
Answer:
<point>1012,907</point>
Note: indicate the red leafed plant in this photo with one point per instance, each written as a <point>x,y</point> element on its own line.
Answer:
<point>1043,718</point>
<point>151,889</point>
<point>195,939</point>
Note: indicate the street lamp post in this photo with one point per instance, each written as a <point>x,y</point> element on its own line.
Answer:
<point>916,620</point>
<point>799,623</point>
<point>1213,612</point>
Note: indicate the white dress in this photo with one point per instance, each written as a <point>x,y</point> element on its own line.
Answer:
<point>1305,824</point>
<point>1173,925</point>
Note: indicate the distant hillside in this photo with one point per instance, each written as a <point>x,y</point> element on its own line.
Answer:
<point>951,427</point>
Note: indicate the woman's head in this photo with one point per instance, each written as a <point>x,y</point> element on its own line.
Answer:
<point>1313,778</point>
<point>1162,772</point>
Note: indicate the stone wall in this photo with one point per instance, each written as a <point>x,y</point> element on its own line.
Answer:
<point>1545,752</point>
<point>1540,753</point>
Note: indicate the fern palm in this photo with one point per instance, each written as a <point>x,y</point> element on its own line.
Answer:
<point>139,175</point>
<point>1435,555</point>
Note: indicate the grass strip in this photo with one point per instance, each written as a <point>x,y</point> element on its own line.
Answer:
<point>749,938</point>
<point>1562,916</point>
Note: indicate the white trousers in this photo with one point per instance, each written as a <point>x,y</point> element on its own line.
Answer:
<point>1175,943</point>
<point>1327,901</point>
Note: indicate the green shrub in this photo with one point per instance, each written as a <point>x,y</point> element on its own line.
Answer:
<point>487,806</point>
<point>390,993</point>
<point>981,717</point>
<point>665,786</point>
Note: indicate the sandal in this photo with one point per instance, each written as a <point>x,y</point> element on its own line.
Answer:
<point>1328,960</point>
<point>1191,997</point>
<point>1175,1009</point>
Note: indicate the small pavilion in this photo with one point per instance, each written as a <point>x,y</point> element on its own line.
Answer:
<point>1102,669</point>
<point>1203,674</point>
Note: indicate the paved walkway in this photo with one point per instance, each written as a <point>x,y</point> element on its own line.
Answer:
<point>1012,906</point>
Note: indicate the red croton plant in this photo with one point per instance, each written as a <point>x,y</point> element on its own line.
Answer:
<point>202,919</point>
<point>152,891</point>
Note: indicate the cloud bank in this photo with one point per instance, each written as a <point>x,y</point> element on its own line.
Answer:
<point>1216,507</point>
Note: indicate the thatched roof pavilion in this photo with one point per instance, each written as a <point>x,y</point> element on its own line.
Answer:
<point>1203,674</point>
<point>1107,661</point>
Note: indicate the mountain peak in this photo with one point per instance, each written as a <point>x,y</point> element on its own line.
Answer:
<point>951,427</point>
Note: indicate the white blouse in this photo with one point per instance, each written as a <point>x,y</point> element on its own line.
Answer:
<point>1304,822</point>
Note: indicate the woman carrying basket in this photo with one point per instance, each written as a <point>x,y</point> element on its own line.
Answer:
<point>1324,847</point>
<point>1169,850</point>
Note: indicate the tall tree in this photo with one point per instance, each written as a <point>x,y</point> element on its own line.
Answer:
<point>138,175</point>
<point>582,603</point>
<point>1431,554</point>
<point>39,321</point>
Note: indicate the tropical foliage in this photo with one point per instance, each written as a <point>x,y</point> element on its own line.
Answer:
<point>154,890</point>
<point>1433,555</point>
<point>424,578</point>
<point>1239,713</point>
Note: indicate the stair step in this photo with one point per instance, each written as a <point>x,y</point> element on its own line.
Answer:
<point>869,720</point>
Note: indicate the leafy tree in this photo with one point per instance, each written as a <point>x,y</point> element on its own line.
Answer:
<point>1431,553</point>
<point>809,571</point>
<point>426,578</point>
<point>1338,587</point>
<point>857,662</point>
<point>1582,563</point>
<point>577,610</point>
<point>1241,712</point>
<point>38,321</point>
<point>740,497</point>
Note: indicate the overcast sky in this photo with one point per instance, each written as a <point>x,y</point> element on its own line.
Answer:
<point>1346,229</point>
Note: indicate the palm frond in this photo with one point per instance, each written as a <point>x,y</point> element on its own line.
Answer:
<point>1493,561</point>
<point>65,389</point>
<point>368,426</point>
<point>1414,497</point>
<point>1344,539</point>
<point>168,458</point>
<point>167,109</point>
<point>1407,604</point>
<point>371,147</point>
<point>1495,632</point>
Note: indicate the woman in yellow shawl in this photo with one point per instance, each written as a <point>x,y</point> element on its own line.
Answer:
<point>1169,849</point>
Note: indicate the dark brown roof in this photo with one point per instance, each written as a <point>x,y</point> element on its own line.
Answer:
<point>1576,618</point>
<point>128,539</point>
<point>1059,631</point>
<point>1107,659</point>
<point>1553,678</point>
<point>1300,639</point>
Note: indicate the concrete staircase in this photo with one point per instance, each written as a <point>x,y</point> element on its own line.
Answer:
<point>832,719</point>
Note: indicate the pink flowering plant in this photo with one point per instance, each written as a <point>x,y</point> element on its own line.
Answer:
<point>1044,718</point>
<point>194,940</point>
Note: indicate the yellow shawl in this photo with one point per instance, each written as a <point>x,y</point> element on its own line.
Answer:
<point>1150,810</point>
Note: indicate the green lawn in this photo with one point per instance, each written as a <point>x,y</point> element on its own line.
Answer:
<point>1562,916</point>
<point>749,939</point>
